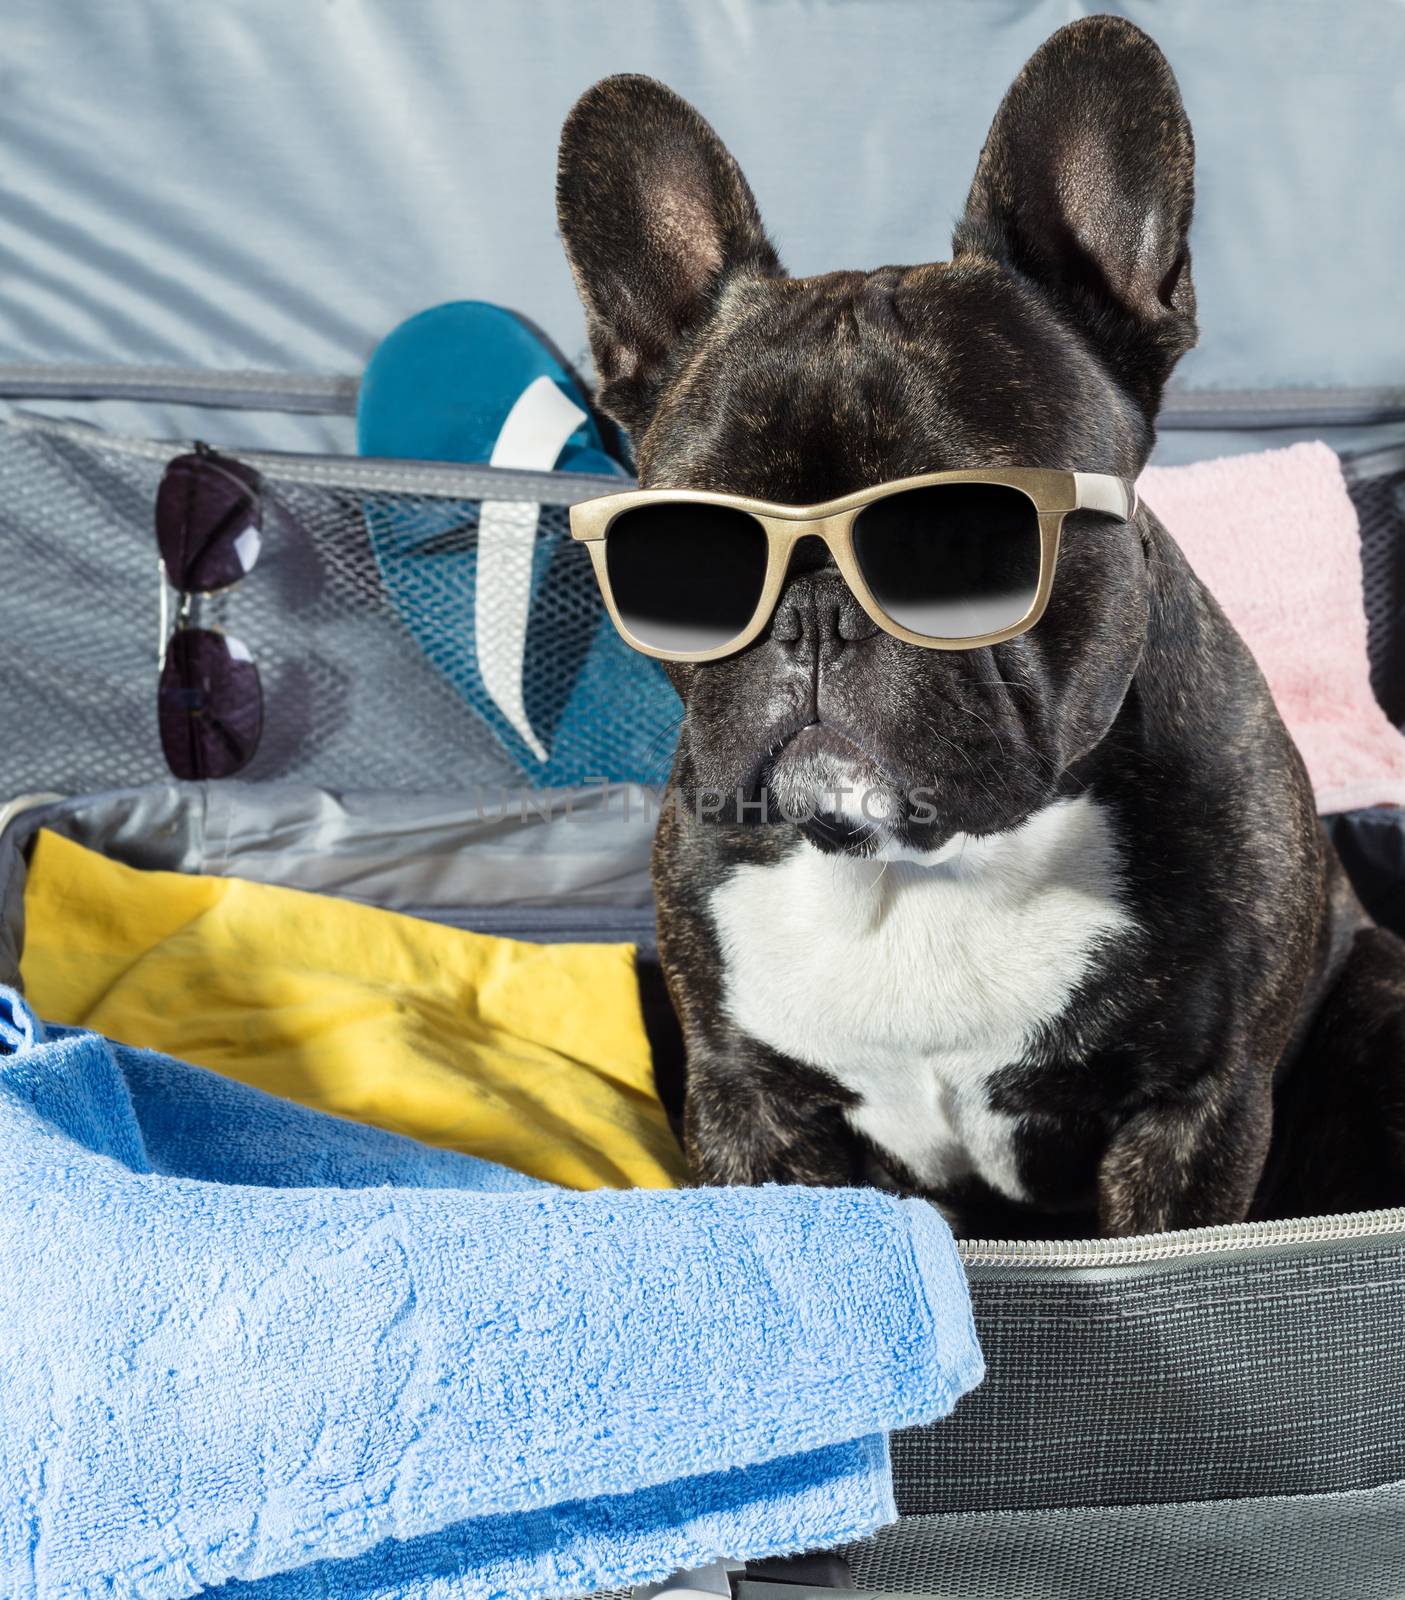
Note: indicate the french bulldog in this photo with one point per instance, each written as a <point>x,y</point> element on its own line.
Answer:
<point>1107,973</point>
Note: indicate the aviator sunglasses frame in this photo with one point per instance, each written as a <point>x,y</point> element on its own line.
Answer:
<point>1054,495</point>
<point>209,520</point>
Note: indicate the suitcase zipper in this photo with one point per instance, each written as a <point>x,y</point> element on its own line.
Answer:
<point>308,393</point>
<point>1237,1238</point>
<point>335,394</point>
<point>441,479</point>
<point>357,474</point>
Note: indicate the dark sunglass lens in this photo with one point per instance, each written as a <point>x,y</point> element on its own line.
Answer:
<point>952,561</point>
<point>686,577</point>
<point>209,705</point>
<point>208,517</point>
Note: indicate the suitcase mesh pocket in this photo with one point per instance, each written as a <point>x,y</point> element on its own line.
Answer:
<point>1380,504</point>
<point>359,615</point>
<point>361,618</point>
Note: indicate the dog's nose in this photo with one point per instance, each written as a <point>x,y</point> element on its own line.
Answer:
<point>819,618</point>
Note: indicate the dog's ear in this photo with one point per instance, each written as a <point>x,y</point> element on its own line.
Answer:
<point>1086,186</point>
<point>655,216</point>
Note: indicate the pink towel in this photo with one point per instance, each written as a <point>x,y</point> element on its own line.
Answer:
<point>1275,539</point>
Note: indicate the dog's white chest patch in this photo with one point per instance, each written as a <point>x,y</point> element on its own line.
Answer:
<point>912,981</point>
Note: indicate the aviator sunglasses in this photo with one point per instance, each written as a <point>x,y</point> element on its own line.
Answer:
<point>948,560</point>
<point>209,703</point>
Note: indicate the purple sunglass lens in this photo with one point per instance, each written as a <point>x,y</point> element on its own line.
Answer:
<point>209,705</point>
<point>208,517</point>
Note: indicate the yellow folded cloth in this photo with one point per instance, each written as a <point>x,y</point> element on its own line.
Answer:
<point>531,1055</point>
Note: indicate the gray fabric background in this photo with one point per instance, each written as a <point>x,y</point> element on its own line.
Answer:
<point>276,183</point>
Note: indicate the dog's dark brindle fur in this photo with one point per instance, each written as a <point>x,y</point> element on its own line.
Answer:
<point>1239,1049</point>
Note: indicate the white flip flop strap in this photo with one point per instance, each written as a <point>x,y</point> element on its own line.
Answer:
<point>533,434</point>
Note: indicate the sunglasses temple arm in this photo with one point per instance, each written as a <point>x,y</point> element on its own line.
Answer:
<point>1099,491</point>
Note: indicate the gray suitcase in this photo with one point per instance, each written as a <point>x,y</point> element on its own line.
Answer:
<point>1217,1413</point>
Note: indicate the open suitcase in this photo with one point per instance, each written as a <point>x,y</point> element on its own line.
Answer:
<point>1212,1415</point>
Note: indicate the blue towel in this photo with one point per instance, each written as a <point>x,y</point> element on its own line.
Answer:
<point>252,1349</point>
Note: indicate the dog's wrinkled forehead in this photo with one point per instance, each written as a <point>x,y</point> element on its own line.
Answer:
<point>800,390</point>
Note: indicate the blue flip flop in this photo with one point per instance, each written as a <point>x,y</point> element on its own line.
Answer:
<point>496,593</point>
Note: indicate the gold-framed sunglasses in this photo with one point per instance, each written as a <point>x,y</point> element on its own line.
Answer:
<point>947,560</point>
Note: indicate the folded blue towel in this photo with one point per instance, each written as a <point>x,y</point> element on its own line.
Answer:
<point>247,1345</point>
